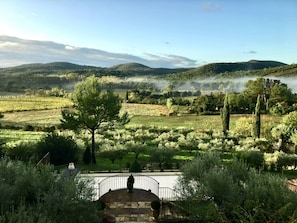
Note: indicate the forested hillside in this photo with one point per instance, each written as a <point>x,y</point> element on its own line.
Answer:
<point>65,75</point>
<point>231,70</point>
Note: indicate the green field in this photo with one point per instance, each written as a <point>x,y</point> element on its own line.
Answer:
<point>28,103</point>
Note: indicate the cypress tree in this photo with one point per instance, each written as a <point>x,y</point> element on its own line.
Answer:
<point>87,158</point>
<point>225,115</point>
<point>257,120</point>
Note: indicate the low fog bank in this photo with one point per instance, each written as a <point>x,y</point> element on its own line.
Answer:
<point>210,84</point>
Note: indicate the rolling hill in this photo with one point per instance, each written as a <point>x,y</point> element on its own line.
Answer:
<point>253,67</point>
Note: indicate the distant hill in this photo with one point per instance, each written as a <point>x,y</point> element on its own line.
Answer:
<point>230,69</point>
<point>43,69</point>
<point>60,68</point>
<point>130,67</point>
<point>217,68</point>
<point>140,69</point>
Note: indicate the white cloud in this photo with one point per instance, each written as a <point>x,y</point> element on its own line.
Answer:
<point>36,51</point>
<point>71,47</point>
<point>7,44</point>
<point>175,60</point>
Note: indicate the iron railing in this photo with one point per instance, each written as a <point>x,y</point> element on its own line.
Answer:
<point>167,193</point>
<point>120,182</point>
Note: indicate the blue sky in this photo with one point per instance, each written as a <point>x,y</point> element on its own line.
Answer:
<point>157,33</point>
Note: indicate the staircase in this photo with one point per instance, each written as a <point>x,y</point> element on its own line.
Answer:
<point>129,207</point>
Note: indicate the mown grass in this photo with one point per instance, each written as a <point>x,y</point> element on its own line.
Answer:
<point>28,103</point>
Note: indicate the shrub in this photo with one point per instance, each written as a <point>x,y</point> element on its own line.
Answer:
<point>100,205</point>
<point>285,160</point>
<point>135,167</point>
<point>23,151</point>
<point>252,157</point>
<point>155,205</point>
<point>62,149</point>
<point>28,127</point>
<point>243,126</point>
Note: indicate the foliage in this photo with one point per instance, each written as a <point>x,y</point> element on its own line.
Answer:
<point>62,149</point>
<point>113,152</point>
<point>243,126</point>
<point>28,194</point>
<point>234,193</point>
<point>290,119</point>
<point>162,155</point>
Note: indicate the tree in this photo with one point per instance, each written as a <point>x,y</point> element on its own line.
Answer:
<point>255,88</point>
<point>257,120</point>
<point>280,93</point>
<point>162,155</point>
<point>225,115</point>
<point>290,119</point>
<point>92,109</point>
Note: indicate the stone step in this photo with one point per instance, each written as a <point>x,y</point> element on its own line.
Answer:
<point>128,204</point>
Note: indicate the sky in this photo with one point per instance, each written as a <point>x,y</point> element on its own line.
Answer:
<point>156,33</point>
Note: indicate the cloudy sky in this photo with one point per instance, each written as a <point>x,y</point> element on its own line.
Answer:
<point>156,33</point>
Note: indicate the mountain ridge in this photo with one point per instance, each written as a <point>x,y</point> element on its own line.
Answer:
<point>252,67</point>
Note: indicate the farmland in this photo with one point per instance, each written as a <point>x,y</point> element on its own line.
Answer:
<point>150,127</point>
<point>46,112</point>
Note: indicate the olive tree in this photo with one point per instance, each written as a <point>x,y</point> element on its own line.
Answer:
<point>40,194</point>
<point>215,192</point>
<point>93,109</point>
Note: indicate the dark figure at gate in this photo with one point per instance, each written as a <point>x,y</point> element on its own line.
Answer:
<point>130,183</point>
